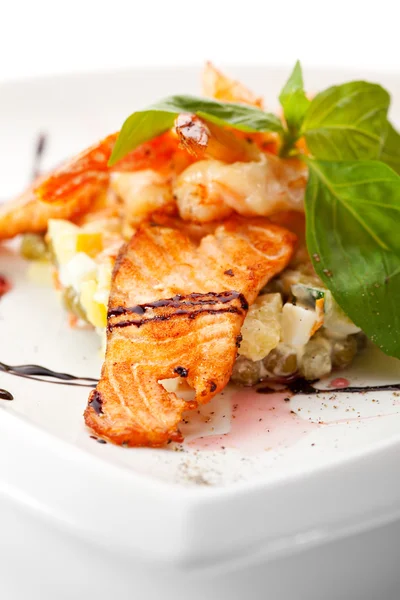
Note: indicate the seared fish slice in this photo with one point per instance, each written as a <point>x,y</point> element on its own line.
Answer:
<point>27,214</point>
<point>78,185</point>
<point>176,309</point>
<point>90,169</point>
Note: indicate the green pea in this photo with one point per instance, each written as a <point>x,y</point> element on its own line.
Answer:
<point>343,352</point>
<point>281,361</point>
<point>72,304</point>
<point>361,340</point>
<point>316,360</point>
<point>33,247</point>
<point>246,372</point>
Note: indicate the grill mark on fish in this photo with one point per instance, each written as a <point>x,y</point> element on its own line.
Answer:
<point>178,313</point>
<point>177,301</point>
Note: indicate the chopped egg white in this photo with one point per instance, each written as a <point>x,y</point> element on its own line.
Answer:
<point>336,321</point>
<point>297,324</point>
<point>78,269</point>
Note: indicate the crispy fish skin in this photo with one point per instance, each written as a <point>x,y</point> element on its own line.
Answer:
<point>27,214</point>
<point>87,170</point>
<point>90,168</point>
<point>177,310</point>
<point>79,185</point>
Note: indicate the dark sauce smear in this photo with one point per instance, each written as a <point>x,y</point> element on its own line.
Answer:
<point>181,371</point>
<point>38,373</point>
<point>5,395</point>
<point>96,402</point>
<point>180,312</point>
<point>178,301</point>
<point>183,306</point>
<point>302,386</point>
<point>40,147</point>
<point>98,440</point>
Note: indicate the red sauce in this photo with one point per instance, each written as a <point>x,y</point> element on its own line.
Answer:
<point>258,423</point>
<point>5,286</point>
<point>339,382</point>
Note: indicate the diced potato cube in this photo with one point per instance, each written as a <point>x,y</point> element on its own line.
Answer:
<point>316,361</point>
<point>62,237</point>
<point>90,243</point>
<point>96,313</point>
<point>68,239</point>
<point>261,329</point>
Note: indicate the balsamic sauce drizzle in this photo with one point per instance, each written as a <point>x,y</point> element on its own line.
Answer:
<point>302,386</point>
<point>298,386</point>
<point>190,314</point>
<point>179,301</point>
<point>38,373</point>
<point>40,148</point>
<point>5,395</point>
<point>96,402</point>
<point>200,303</point>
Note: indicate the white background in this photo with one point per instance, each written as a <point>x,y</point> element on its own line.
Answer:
<point>39,37</point>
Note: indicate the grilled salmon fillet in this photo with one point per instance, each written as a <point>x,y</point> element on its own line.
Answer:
<point>176,309</point>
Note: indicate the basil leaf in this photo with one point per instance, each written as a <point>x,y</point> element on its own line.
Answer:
<point>137,129</point>
<point>144,125</point>
<point>351,213</point>
<point>391,149</point>
<point>347,122</point>
<point>294,100</point>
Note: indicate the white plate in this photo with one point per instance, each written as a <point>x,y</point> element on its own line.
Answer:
<point>269,455</point>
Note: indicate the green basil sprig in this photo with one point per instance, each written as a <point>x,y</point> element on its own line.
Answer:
<point>390,153</point>
<point>295,105</point>
<point>352,212</point>
<point>347,122</point>
<point>144,125</point>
